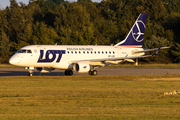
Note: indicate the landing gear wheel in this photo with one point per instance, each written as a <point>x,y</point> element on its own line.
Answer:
<point>68,72</point>
<point>92,72</point>
<point>30,74</point>
<point>30,69</point>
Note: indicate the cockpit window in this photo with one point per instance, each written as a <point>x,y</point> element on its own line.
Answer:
<point>24,51</point>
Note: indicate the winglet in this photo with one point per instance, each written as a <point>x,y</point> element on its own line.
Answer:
<point>156,51</point>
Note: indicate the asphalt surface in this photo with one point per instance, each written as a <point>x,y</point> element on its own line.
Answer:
<point>5,72</point>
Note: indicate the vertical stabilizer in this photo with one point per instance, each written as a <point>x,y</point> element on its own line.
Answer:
<point>136,34</point>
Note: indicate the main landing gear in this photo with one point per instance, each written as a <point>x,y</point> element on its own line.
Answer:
<point>68,72</point>
<point>92,72</point>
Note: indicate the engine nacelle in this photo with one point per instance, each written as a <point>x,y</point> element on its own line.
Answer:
<point>81,67</point>
<point>44,69</point>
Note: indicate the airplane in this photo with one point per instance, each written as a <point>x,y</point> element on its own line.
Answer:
<point>84,58</point>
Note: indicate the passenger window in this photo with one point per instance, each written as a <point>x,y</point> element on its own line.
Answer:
<point>91,52</point>
<point>102,52</point>
<point>29,51</point>
<point>79,52</point>
<point>98,52</point>
<point>95,52</point>
<point>75,52</point>
<point>84,52</point>
<point>87,52</point>
<point>113,52</point>
<point>72,52</point>
<point>106,52</point>
<point>68,52</point>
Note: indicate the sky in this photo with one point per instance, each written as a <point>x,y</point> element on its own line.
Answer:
<point>4,3</point>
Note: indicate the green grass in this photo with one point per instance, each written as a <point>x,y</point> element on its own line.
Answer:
<point>90,97</point>
<point>8,66</point>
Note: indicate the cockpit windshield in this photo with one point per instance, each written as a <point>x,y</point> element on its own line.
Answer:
<point>24,51</point>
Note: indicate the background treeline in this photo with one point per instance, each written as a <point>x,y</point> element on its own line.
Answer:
<point>88,23</point>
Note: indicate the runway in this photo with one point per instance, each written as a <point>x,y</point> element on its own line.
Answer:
<point>5,72</point>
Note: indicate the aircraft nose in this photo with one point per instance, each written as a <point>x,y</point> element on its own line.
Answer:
<point>13,61</point>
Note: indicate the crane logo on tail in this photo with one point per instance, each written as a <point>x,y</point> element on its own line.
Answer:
<point>138,31</point>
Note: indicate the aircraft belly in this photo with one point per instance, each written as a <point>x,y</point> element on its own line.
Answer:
<point>63,65</point>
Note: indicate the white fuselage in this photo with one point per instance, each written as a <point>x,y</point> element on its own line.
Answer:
<point>61,56</point>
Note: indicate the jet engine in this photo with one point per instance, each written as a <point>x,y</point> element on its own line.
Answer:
<point>45,69</point>
<point>81,67</point>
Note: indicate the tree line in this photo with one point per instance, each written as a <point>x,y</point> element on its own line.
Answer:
<point>47,22</point>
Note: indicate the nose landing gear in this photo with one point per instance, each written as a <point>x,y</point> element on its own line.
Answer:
<point>30,74</point>
<point>30,69</point>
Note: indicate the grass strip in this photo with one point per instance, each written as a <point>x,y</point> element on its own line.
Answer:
<point>90,97</point>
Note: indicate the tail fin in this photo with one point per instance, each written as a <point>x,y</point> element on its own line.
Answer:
<point>136,34</point>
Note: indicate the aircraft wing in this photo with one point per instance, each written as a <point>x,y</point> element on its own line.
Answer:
<point>117,58</point>
<point>148,50</point>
